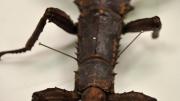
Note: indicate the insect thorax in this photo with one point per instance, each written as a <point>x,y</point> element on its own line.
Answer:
<point>97,49</point>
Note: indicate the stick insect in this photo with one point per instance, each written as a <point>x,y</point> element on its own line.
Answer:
<point>99,30</point>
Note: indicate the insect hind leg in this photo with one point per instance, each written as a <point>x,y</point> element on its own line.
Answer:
<point>55,94</point>
<point>130,96</point>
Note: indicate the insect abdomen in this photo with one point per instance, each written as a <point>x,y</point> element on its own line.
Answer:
<point>96,73</point>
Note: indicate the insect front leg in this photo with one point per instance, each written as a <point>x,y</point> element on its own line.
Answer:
<point>146,24</point>
<point>55,94</point>
<point>55,16</point>
<point>130,96</point>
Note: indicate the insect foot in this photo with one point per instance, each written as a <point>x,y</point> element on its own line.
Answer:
<point>1,54</point>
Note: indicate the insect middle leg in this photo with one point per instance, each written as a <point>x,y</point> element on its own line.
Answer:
<point>55,16</point>
<point>55,94</point>
<point>146,24</point>
<point>130,96</point>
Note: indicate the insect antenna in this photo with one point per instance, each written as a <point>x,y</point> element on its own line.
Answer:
<point>130,43</point>
<point>59,51</point>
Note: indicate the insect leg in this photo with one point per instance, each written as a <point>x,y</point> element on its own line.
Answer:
<point>54,15</point>
<point>146,24</point>
<point>130,96</point>
<point>55,94</point>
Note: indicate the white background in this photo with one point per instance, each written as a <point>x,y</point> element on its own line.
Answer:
<point>148,66</point>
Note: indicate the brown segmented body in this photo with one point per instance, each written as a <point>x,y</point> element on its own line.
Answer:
<point>97,41</point>
<point>99,30</point>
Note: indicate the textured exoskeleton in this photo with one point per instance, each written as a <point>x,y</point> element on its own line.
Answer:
<point>99,30</point>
